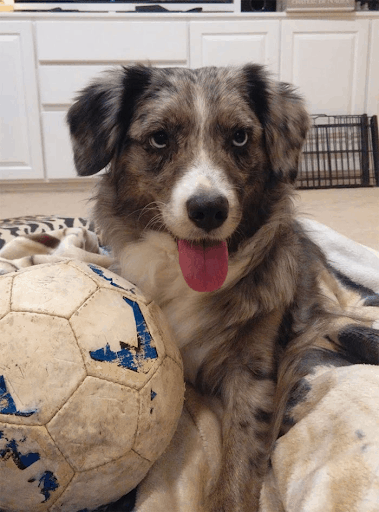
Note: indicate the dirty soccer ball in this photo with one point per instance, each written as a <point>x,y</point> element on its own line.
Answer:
<point>91,387</point>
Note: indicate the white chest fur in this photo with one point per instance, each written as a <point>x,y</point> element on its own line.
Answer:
<point>152,264</point>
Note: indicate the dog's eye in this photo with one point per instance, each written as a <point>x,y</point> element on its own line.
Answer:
<point>159,140</point>
<point>240,138</point>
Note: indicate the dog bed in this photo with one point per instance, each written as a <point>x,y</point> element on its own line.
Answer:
<point>29,225</point>
<point>328,459</point>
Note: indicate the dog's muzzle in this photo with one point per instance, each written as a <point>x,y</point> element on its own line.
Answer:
<point>204,264</point>
<point>207,212</point>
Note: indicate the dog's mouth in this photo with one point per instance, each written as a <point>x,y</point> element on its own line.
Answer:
<point>204,264</point>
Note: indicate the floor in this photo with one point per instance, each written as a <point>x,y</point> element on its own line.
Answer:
<point>352,212</point>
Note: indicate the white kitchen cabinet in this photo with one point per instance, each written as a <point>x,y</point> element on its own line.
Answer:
<point>327,60</point>
<point>373,72</point>
<point>216,43</point>
<point>20,132</point>
<point>45,58</point>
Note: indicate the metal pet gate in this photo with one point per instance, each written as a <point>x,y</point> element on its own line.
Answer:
<point>340,151</point>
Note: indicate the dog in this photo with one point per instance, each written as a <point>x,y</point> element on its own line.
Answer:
<point>196,204</point>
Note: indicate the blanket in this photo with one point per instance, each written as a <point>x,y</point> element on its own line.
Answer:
<point>327,461</point>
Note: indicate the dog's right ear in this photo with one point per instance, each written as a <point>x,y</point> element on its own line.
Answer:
<point>101,115</point>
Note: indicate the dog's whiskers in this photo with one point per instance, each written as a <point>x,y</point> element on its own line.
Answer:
<point>154,205</point>
<point>153,222</point>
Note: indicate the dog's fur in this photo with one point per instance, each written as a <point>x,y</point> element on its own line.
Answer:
<point>167,135</point>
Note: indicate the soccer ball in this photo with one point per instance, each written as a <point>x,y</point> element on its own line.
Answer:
<point>91,387</point>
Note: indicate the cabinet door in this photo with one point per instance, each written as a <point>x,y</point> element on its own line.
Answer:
<point>373,74</point>
<point>234,42</point>
<point>20,132</point>
<point>111,41</point>
<point>327,59</point>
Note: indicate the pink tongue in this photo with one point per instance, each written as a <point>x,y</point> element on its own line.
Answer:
<point>204,268</point>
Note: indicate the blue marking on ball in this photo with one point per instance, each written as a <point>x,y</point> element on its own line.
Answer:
<point>7,404</point>
<point>152,394</point>
<point>123,357</point>
<point>48,483</point>
<point>100,272</point>
<point>130,357</point>
<point>22,461</point>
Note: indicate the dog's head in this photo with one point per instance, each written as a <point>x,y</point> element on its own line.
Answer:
<point>191,152</point>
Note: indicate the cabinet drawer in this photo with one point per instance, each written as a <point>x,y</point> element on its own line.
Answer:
<point>60,84</point>
<point>114,41</point>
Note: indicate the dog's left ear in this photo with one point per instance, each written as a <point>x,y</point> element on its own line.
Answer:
<point>284,118</point>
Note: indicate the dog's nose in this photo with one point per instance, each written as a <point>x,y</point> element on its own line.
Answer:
<point>207,212</point>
